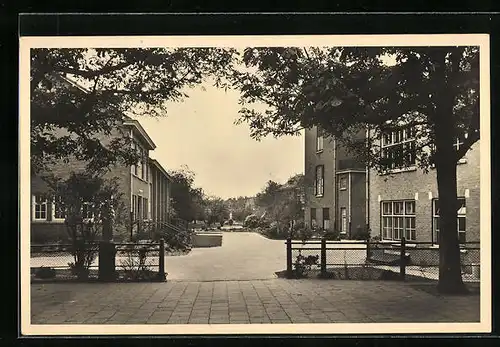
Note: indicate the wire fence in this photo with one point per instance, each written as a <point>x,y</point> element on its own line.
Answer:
<point>363,260</point>
<point>130,261</point>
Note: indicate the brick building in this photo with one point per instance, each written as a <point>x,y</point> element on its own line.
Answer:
<point>144,188</point>
<point>336,185</point>
<point>346,196</point>
<point>405,202</point>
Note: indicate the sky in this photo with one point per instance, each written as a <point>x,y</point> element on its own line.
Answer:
<point>200,133</point>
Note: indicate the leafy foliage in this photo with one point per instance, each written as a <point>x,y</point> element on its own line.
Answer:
<point>90,204</point>
<point>283,203</point>
<point>216,210</point>
<point>343,90</point>
<point>240,207</point>
<point>94,88</point>
<point>187,201</point>
<point>303,265</point>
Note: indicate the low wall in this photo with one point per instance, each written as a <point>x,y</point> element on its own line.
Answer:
<point>206,240</point>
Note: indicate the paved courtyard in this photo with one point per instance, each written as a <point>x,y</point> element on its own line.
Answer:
<point>242,256</point>
<point>259,301</point>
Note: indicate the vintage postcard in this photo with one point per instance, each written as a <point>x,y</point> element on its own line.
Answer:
<point>334,184</point>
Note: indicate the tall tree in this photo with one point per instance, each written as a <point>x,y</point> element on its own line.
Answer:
<point>282,202</point>
<point>186,199</point>
<point>79,94</point>
<point>432,91</point>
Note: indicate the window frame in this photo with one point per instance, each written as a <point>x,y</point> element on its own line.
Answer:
<point>343,221</point>
<point>320,140</point>
<point>326,221</point>
<point>400,137</point>
<point>461,215</point>
<point>313,213</point>
<point>398,222</point>
<point>343,183</point>
<point>319,183</point>
<point>55,209</point>
<point>34,203</point>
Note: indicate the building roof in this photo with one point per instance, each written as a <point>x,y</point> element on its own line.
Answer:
<point>158,165</point>
<point>143,134</point>
<point>128,121</point>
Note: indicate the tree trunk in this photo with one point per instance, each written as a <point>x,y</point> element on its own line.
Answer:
<point>450,273</point>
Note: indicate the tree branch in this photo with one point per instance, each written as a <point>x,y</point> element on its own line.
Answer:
<point>93,73</point>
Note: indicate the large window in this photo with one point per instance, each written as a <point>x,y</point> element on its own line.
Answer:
<point>39,207</point>
<point>398,148</point>
<point>57,211</point>
<point>319,140</point>
<point>319,187</point>
<point>461,220</point>
<point>398,220</point>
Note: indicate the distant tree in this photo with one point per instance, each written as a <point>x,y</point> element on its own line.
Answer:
<point>216,210</point>
<point>239,207</point>
<point>432,92</point>
<point>282,203</point>
<point>84,92</point>
<point>186,199</point>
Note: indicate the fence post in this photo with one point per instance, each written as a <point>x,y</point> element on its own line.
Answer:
<point>323,257</point>
<point>106,264</point>
<point>161,263</point>
<point>368,249</point>
<point>402,260</point>
<point>289,257</point>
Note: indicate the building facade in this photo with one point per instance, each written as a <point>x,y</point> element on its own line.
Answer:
<point>335,197</point>
<point>144,188</point>
<point>406,201</point>
<point>344,195</point>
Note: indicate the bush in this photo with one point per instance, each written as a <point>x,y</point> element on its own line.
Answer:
<point>230,222</point>
<point>303,265</point>
<point>45,273</point>
<point>305,233</point>
<point>332,235</point>
<point>299,225</point>
<point>251,221</point>
<point>361,234</point>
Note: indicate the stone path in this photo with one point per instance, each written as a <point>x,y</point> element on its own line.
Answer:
<point>258,301</point>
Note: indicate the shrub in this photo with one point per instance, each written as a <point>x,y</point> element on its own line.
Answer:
<point>230,222</point>
<point>45,273</point>
<point>251,221</point>
<point>332,235</point>
<point>264,223</point>
<point>136,266</point>
<point>299,225</point>
<point>361,234</point>
<point>304,264</point>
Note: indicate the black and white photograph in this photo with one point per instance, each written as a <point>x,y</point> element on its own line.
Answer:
<point>256,185</point>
